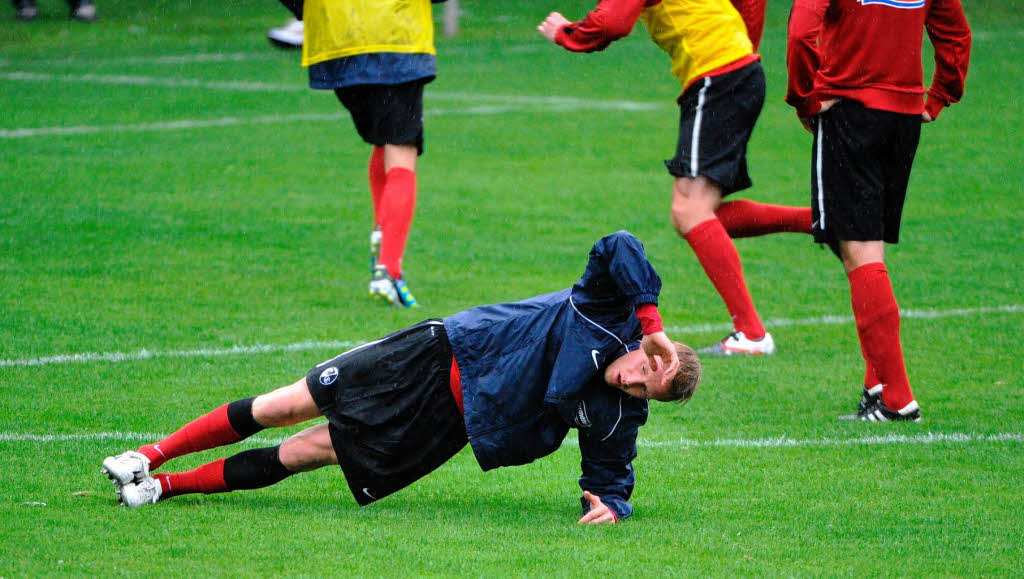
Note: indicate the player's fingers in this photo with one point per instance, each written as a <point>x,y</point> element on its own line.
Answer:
<point>588,517</point>
<point>591,498</point>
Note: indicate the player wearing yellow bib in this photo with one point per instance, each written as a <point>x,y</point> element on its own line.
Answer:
<point>377,55</point>
<point>723,91</point>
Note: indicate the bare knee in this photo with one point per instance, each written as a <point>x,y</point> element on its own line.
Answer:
<point>308,450</point>
<point>858,253</point>
<point>694,201</point>
<point>285,406</point>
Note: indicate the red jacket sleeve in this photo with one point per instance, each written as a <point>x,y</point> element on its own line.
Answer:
<point>752,12</point>
<point>802,57</point>
<point>951,36</point>
<point>608,22</point>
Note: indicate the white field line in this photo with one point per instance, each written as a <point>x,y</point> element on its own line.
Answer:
<point>144,354</point>
<point>908,314</point>
<point>774,442</point>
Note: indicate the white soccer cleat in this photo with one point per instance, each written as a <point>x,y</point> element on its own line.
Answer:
<point>736,344</point>
<point>134,495</point>
<point>288,36</point>
<point>126,468</point>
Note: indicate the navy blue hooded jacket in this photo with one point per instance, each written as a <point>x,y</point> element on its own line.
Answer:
<point>532,370</point>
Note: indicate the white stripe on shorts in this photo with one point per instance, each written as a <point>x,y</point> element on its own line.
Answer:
<point>695,139</point>
<point>817,170</point>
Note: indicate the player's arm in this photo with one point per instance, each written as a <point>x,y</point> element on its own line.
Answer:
<point>607,461</point>
<point>951,36</point>
<point>752,12</point>
<point>619,277</point>
<point>802,57</point>
<point>606,23</point>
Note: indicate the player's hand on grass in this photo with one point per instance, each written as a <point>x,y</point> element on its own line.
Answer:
<point>658,344</point>
<point>551,25</point>
<point>599,513</point>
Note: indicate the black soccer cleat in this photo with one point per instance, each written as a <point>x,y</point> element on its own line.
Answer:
<point>877,411</point>
<point>867,398</point>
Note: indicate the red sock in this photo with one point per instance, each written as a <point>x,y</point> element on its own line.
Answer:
<point>376,173</point>
<point>397,205</point>
<point>751,219</point>
<point>878,326</point>
<point>717,255</point>
<point>208,431</point>
<point>206,479</point>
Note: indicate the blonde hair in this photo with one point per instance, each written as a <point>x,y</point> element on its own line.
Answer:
<point>684,383</point>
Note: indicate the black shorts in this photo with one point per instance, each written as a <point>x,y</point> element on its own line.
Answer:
<point>390,408</point>
<point>860,166</point>
<point>387,114</point>
<point>716,117</point>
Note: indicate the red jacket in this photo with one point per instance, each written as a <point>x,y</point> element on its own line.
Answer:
<point>870,51</point>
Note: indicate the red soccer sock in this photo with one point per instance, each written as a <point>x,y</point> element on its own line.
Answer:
<point>208,431</point>
<point>878,326</point>
<point>397,205</point>
<point>717,255</point>
<point>376,174</point>
<point>206,479</point>
<point>751,219</point>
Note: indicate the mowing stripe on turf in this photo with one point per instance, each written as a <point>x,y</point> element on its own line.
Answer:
<point>188,124</point>
<point>145,354</point>
<point>774,442</point>
<point>257,86</point>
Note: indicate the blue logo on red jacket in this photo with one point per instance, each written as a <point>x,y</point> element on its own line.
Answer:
<point>896,3</point>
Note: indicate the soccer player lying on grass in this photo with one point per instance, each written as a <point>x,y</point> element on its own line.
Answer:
<point>511,379</point>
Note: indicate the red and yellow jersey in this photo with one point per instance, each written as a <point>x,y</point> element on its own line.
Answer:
<point>340,28</point>
<point>700,36</point>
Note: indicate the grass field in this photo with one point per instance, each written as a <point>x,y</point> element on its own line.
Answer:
<point>184,223</point>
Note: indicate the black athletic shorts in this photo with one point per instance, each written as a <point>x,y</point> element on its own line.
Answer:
<point>387,114</point>
<point>860,166</point>
<point>716,117</point>
<point>391,412</point>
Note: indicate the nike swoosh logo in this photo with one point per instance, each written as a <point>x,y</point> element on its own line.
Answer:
<point>366,491</point>
<point>593,354</point>
<point>157,448</point>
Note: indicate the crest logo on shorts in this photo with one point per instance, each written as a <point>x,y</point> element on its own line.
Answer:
<point>908,4</point>
<point>328,376</point>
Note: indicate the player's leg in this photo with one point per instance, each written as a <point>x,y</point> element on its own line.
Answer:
<point>694,201</point>
<point>390,117</point>
<point>376,174</point>
<point>878,326</point>
<point>856,211</point>
<point>717,117</point>
<point>397,204</point>
<point>744,218</point>
<point>224,425</point>
<point>252,469</point>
